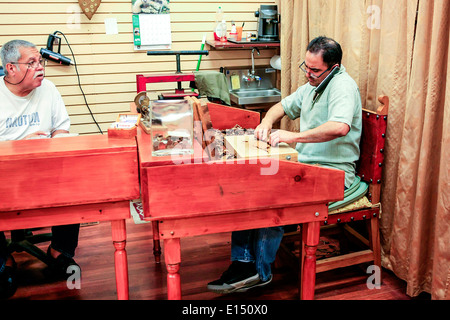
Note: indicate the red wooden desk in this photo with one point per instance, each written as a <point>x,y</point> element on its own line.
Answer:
<point>48,182</point>
<point>195,197</point>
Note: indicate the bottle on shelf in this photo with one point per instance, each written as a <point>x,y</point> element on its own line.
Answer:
<point>219,15</point>
<point>233,32</point>
<point>220,30</point>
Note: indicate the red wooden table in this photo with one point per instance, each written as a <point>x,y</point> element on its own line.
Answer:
<point>189,196</point>
<point>60,181</point>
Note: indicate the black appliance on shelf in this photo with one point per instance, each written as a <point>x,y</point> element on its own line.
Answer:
<point>268,23</point>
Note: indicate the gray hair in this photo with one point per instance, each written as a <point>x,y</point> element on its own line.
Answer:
<point>10,52</point>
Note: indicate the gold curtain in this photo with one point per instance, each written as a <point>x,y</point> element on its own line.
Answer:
<point>399,49</point>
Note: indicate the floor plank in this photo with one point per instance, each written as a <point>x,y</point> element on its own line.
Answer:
<point>204,258</point>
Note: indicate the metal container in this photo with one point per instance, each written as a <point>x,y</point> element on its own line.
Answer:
<point>172,127</point>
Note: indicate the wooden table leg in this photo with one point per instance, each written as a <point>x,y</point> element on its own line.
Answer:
<point>156,242</point>
<point>311,238</point>
<point>118,228</point>
<point>301,258</point>
<point>172,254</point>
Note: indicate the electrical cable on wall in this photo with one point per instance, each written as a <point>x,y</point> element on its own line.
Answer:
<point>49,54</point>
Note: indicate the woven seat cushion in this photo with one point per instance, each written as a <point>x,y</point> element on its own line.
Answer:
<point>358,204</point>
<point>356,192</point>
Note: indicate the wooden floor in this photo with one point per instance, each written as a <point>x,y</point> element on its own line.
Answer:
<point>204,258</point>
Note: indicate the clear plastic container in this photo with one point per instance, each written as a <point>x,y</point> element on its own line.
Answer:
<point>221,31</point>
<point>172,127</point>
<point>220,27</point>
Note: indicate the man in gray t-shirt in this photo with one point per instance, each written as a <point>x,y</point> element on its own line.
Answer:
<point>31,107</point>
<point>330,111</point>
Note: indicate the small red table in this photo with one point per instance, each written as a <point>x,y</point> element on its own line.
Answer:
<point>189,196</point>
<point>60,181</point>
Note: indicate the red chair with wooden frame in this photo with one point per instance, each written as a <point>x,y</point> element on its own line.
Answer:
<point>367,207</point>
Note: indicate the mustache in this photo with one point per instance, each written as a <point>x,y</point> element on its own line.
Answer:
<point>38,73</point>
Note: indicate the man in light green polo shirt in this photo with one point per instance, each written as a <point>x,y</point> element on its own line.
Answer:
<point>330,120</point>
<point>330,111</point>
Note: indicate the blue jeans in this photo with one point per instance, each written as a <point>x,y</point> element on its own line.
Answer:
<point>257,245</point>
<point>3,251</point>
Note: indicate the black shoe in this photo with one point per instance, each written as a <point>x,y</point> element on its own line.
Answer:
<point>8,282</point>
<point>59,266</point>
<point>260,283</point>
<point>238,276</point>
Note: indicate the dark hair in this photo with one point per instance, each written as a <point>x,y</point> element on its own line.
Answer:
<point>330,49</point>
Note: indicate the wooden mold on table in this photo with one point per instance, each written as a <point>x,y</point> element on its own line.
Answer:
<point>246,146</point>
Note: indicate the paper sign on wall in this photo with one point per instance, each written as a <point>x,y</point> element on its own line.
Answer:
<point>111,26</point>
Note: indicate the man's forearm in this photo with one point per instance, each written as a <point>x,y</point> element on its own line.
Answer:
<point>325,132</point>
<point>54,133</point>
<point>275,113</point>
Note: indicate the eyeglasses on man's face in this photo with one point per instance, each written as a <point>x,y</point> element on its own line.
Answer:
<point>303,67</point>
<point>33,64</point>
